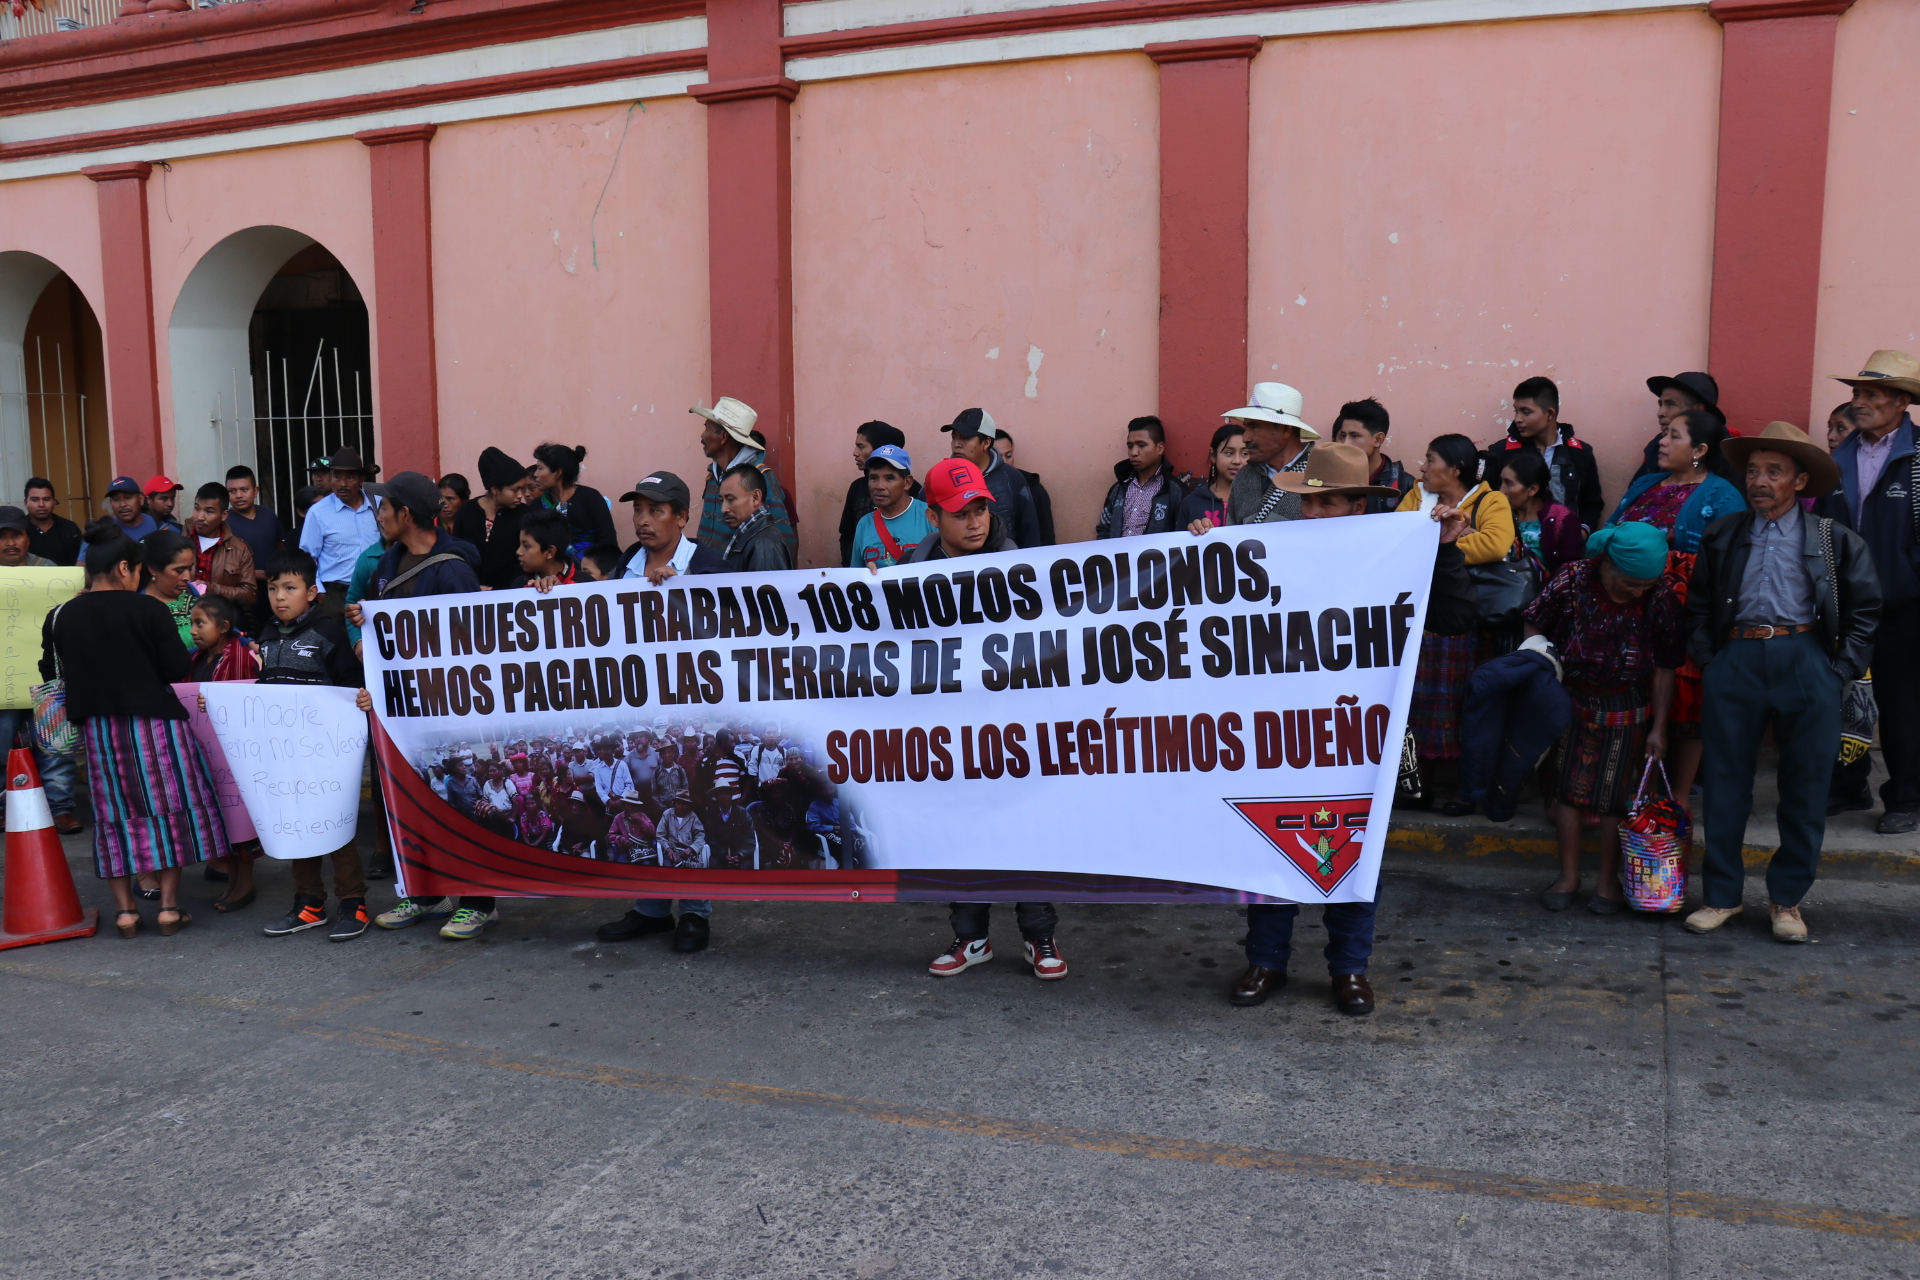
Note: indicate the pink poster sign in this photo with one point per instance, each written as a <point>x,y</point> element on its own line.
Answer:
<point>233,808</point>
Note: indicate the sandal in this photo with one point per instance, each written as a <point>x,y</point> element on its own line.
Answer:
<point>170,927</point>
<point>240,903</point>
<point>127,930</point>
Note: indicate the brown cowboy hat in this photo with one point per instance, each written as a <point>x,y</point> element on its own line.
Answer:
<point>1823,473</point>
<point>348,459</point>
<point>1894,370</point>
<point>1334,468</point>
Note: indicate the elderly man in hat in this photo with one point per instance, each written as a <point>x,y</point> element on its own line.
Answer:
<point>1278,441</point>
<point>1674,396</point>
<point>974,434</point>
<point>1782,608</point>
<point>1333,482</point>
<point>1878,497</point>
<point>728,439</point>
<point>340,526</point>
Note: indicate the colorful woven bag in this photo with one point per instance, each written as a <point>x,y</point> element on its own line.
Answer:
<point>1654,841</point>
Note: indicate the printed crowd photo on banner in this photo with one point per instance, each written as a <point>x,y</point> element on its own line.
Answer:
<point>1213,718</point>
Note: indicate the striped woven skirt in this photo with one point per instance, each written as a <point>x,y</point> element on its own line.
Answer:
<point>154,806</point>
<point>1597,765</point>
<point>1440,693</point>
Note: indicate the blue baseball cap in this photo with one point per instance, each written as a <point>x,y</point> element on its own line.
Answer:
<point>124,484</point>
<point>894,456</point>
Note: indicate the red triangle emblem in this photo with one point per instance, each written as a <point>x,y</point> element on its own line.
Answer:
<point>1320,835</point>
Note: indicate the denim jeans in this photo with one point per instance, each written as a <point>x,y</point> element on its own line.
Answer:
<point>658,907</point>
<point>58,774</point>
<point>1037,920</point>
<point>1349,935</point>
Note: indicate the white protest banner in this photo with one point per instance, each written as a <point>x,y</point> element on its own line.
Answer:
<point>233,806</point>
<point>296,752</point>
<point>1157,718</point>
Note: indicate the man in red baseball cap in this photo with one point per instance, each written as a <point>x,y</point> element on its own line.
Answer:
<point>160,493</point>
<point>965,524</point>
<point>961,508</point>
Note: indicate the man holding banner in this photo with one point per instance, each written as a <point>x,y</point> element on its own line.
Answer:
<point>1335,484</point>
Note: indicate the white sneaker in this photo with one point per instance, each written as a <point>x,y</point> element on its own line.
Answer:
<point>962,956</point>
<point>412,911</point>
<point>1046,960</point>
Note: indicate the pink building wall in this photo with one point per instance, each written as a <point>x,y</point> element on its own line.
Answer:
<point>59,219</point>
<point>1437,214</point>
<point>318,188</point>
<point>983,236</point>
<point>1870,256</point>
<point>536,341</point>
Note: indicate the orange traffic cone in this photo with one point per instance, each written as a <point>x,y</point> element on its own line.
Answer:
<point>41,904</point>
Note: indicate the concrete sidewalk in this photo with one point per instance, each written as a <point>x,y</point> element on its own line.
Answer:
<point>1852,849</point>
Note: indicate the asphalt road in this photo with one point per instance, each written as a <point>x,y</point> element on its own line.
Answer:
<point>1537,1096</point>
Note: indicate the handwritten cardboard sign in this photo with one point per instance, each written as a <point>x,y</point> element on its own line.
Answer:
<point>233,806</point>
<point>295,753</point>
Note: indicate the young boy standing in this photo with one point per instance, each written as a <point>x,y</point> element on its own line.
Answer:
<point>898,522</point>
<point>302,644</point>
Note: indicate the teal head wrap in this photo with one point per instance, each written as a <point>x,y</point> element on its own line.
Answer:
<point>1636,548</point>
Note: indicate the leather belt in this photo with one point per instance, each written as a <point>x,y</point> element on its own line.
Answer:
<point>1766,631</point>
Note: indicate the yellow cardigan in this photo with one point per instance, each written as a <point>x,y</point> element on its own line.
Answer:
<point>1490,515</point>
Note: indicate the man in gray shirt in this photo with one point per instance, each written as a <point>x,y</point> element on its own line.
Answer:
<point>1783,607</point>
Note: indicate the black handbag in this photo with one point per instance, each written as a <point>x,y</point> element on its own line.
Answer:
<point>1505,587</point>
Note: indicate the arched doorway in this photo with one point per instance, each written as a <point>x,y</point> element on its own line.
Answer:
<point>271,351</point>
<point>53,401</point>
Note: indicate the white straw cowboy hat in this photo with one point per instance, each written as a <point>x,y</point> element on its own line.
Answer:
<point>1894,370</point>
<point>1275,402</point>
<point>732,417</point>
<point>1823,473</point>
<point>1334,469</point>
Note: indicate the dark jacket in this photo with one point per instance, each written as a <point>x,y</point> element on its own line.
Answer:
<point>59,543</point>
<point>859,502</point>
<point>1885,516</point>
<point>1252,487</point>
<point>449,578</point>
<point>705,560</point>
<point>499,557</point>
<point>1846,596</point>
<point>120,655</point>
<point>1576,476</point>
<point>312,649</point>
<point>757,547</point>
<point>1394,476</point>
<point>1163,517</point>
<point>1516,710</point>
<point>1200,501</point>
<point>997,540</point>
<point>1042,507</point>
<point>1452,607</point>
<point>1013,501</point>
<point>588,514</point>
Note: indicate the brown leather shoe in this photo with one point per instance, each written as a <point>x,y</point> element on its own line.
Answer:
<point>1256,984</point>
<point>67,824</point>
<point>1352,994</point>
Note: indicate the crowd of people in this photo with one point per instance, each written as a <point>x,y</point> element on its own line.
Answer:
<point>1737,584</point>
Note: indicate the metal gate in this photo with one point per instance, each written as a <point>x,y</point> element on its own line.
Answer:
<point>298,410</point>
<point>52,414</point>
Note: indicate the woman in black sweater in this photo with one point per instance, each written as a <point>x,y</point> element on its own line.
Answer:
<point>556,474</point>
<point>154,806</point>
<point>491,522</point>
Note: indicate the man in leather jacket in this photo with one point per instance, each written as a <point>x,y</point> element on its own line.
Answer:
<point>1783,607</point>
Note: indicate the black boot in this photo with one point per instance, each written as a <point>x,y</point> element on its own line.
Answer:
<point>691,934</point>
<point>633,925</point>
